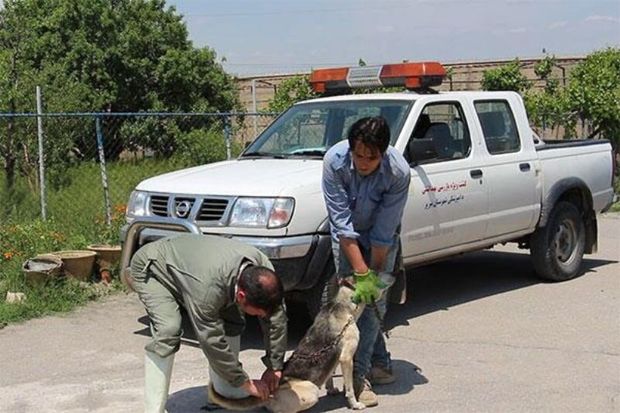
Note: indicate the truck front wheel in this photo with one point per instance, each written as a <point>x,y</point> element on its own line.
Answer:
<point>557,248</point>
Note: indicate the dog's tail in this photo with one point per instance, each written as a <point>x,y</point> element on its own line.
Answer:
<point>247,403</point>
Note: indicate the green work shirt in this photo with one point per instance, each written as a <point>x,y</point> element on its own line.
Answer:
<point>201,272</point>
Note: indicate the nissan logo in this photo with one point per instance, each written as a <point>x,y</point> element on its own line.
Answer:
<point>182,209</point>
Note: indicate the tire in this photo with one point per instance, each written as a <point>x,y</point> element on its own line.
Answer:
<point>557,248</point>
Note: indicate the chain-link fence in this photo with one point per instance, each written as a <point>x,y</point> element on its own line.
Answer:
<point>92,161</point>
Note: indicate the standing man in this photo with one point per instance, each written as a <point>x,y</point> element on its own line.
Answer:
<point>216,281</point>
<point>365,185</point>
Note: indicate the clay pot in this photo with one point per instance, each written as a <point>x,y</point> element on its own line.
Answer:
<point>41,268</point>
<point>77,264</point>
<point>107,257</point>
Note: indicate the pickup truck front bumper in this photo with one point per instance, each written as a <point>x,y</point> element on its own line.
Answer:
<point>300,261</point>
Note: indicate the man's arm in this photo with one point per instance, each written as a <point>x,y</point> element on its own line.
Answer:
<point>352,252</point>
<point>211,336</point>
<point>389,215</point>
<point>274,337</point>
<point>337,201</point>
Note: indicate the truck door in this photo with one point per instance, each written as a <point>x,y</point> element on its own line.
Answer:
<point>447,203</point>
<point>513,201</point>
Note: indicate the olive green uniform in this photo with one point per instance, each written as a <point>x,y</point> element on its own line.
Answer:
<point>199,273</point>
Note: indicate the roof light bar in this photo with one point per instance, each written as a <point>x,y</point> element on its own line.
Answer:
<point>419,75</point>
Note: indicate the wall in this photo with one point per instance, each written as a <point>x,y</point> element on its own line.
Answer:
<point>466,76</point>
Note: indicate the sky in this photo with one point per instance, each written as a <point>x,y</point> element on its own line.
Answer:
<point>255,37</point>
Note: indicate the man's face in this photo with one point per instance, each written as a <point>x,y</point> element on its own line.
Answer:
<point>365,159</point>
<point>248,308</point>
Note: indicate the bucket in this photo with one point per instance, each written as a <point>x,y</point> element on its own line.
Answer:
<point>41,268</point>
<point>77,264</point>
<point>107,257</point>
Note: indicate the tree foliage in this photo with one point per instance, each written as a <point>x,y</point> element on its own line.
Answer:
<point>98,56</point>
<point>548,106</point>
<point>594,92</point>
<point>506,77</point>
<point>291,90</point>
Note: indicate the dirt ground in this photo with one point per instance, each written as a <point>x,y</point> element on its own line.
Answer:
<point>479,333</point>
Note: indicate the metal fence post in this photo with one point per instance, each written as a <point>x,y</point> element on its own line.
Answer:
<point>254,107</point>
<point>41,154</point>
<point>104,174</point>
<point>227,136</point>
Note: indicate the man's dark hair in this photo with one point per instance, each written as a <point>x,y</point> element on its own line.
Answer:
<point>263,288</point>
<point>373,132</point>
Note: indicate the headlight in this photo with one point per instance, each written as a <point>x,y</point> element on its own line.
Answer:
<point>136,207</point>
<point>262,212</point>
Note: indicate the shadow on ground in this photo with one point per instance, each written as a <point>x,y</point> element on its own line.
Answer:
<point>470,277</point>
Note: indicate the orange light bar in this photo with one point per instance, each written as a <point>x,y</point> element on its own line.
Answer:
<point>417,75</point>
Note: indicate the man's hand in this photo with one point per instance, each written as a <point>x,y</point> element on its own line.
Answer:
<point>256,388</point>
<point>272,379</point>
<point>367,287</point>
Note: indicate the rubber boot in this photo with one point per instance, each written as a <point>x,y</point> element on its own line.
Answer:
<point>157,371</point>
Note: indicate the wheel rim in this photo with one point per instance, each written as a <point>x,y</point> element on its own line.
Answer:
<point>565,241</point>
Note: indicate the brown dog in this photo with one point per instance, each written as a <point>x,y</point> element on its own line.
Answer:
<point>331,340</point>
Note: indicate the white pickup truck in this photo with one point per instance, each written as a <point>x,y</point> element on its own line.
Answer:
<point>479,176</point>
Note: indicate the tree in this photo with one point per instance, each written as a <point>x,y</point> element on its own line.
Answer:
<point>291,90</point>
<point>100,56</point>
<point>506,77</point>
<point>594,93</point>
<point>548,106</point>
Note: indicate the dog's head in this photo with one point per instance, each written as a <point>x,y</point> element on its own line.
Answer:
<point>346,290</point>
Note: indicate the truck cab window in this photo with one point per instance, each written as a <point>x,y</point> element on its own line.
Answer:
<point>498,126</point>
<point>440,134</point>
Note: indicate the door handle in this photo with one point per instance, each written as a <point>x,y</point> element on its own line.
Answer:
<point>475,173</point>
<point>524,167</point>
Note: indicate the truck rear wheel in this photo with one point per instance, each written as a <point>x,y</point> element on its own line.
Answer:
<point>557,248</point>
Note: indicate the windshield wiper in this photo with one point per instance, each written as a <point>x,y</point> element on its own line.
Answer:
<point>309,152</point>
<point>259,154</point>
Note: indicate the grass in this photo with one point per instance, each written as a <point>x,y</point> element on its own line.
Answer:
<point>57,296</point>
<point>76,218</point>
<point>616,206</point>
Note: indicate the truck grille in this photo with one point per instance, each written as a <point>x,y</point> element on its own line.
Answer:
<point>159,205</point>
<point>212,209</point>
<point>183,206</point>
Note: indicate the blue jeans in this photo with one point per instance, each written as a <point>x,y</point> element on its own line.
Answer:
<point>371,349</point>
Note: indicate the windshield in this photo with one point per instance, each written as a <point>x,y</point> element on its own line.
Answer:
<point>310,129</point>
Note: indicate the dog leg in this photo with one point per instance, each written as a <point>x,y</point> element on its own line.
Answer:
<point>347,375</point>
<point>329,385</point>
<point>346,365</point>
